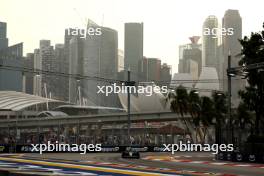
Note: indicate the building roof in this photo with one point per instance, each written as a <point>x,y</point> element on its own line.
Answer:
<point>145,102</point>
<point>171,129</point>
<point>16,101</point>
<point>52,113</point>
<point>89,107</point>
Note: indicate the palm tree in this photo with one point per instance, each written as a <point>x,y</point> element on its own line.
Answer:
<point>207,114</point>
<point>220,109</point>
<point>252,53</point>
<point>250,102</point>
<point>195,112</point>
<point>243,117</point>
<point>179,103</point>
<point>202,109</point>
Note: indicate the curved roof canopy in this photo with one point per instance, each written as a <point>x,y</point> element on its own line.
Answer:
<point>16,101</point>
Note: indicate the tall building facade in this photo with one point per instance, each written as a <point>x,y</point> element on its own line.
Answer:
<point>210,42</point>
<point>37,77</point>
<point>51,74</point>
<point>232,19</point>
<point>181,68</point>
<point>13,51</point>
<point>11,79</point>
<point>75,67</point>
<point>143,65</point>
<point>11,57</point>
<point>120,60</point>
<point>100,61</point>
<point>154,70</point>
<point>3,38</point>
<point>47,56</point>
<point>133,48</point>
<point>28,76</point>
<point>62,90</point>
<point>165,74</point>
<point>65,61</point>
<point>46,82</point>
<point>191,58</point>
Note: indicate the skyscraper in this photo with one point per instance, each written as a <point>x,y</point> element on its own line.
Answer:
<point>62,93</point>
<point>13,51</point>
<point>48,63</point>
<point>210,42</point>
<point>165,74</point>
<point>28,77</point>
<point>143,65</point>
<point>3,38</point>
<point>11,79</point>
<point>75,66</point>
<point>231,44</point>
<point>65,61</point>
<point>46,83</point>
<point>133,48</point>
<point>154,69</point>
<point>11,57</point>
<point>191,58</point>
<point>120,60</point>
<point>37,78</point>
<point>100,60</point>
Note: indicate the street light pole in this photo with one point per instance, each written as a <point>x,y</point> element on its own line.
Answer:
<point>79,91</point>
<point>229,96</point>
<point>128,105</point>
<point>241,71</point>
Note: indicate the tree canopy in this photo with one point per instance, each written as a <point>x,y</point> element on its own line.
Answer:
<point>252,53</point>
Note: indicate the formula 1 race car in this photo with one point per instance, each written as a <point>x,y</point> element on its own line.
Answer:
<point>129,153</point>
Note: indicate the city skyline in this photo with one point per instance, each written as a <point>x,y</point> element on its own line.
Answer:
<point>114,14</point>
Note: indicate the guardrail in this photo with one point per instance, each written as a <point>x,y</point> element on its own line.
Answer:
<point>91,119</point>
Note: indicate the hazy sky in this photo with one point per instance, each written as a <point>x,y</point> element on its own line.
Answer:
<point>167,23</point>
